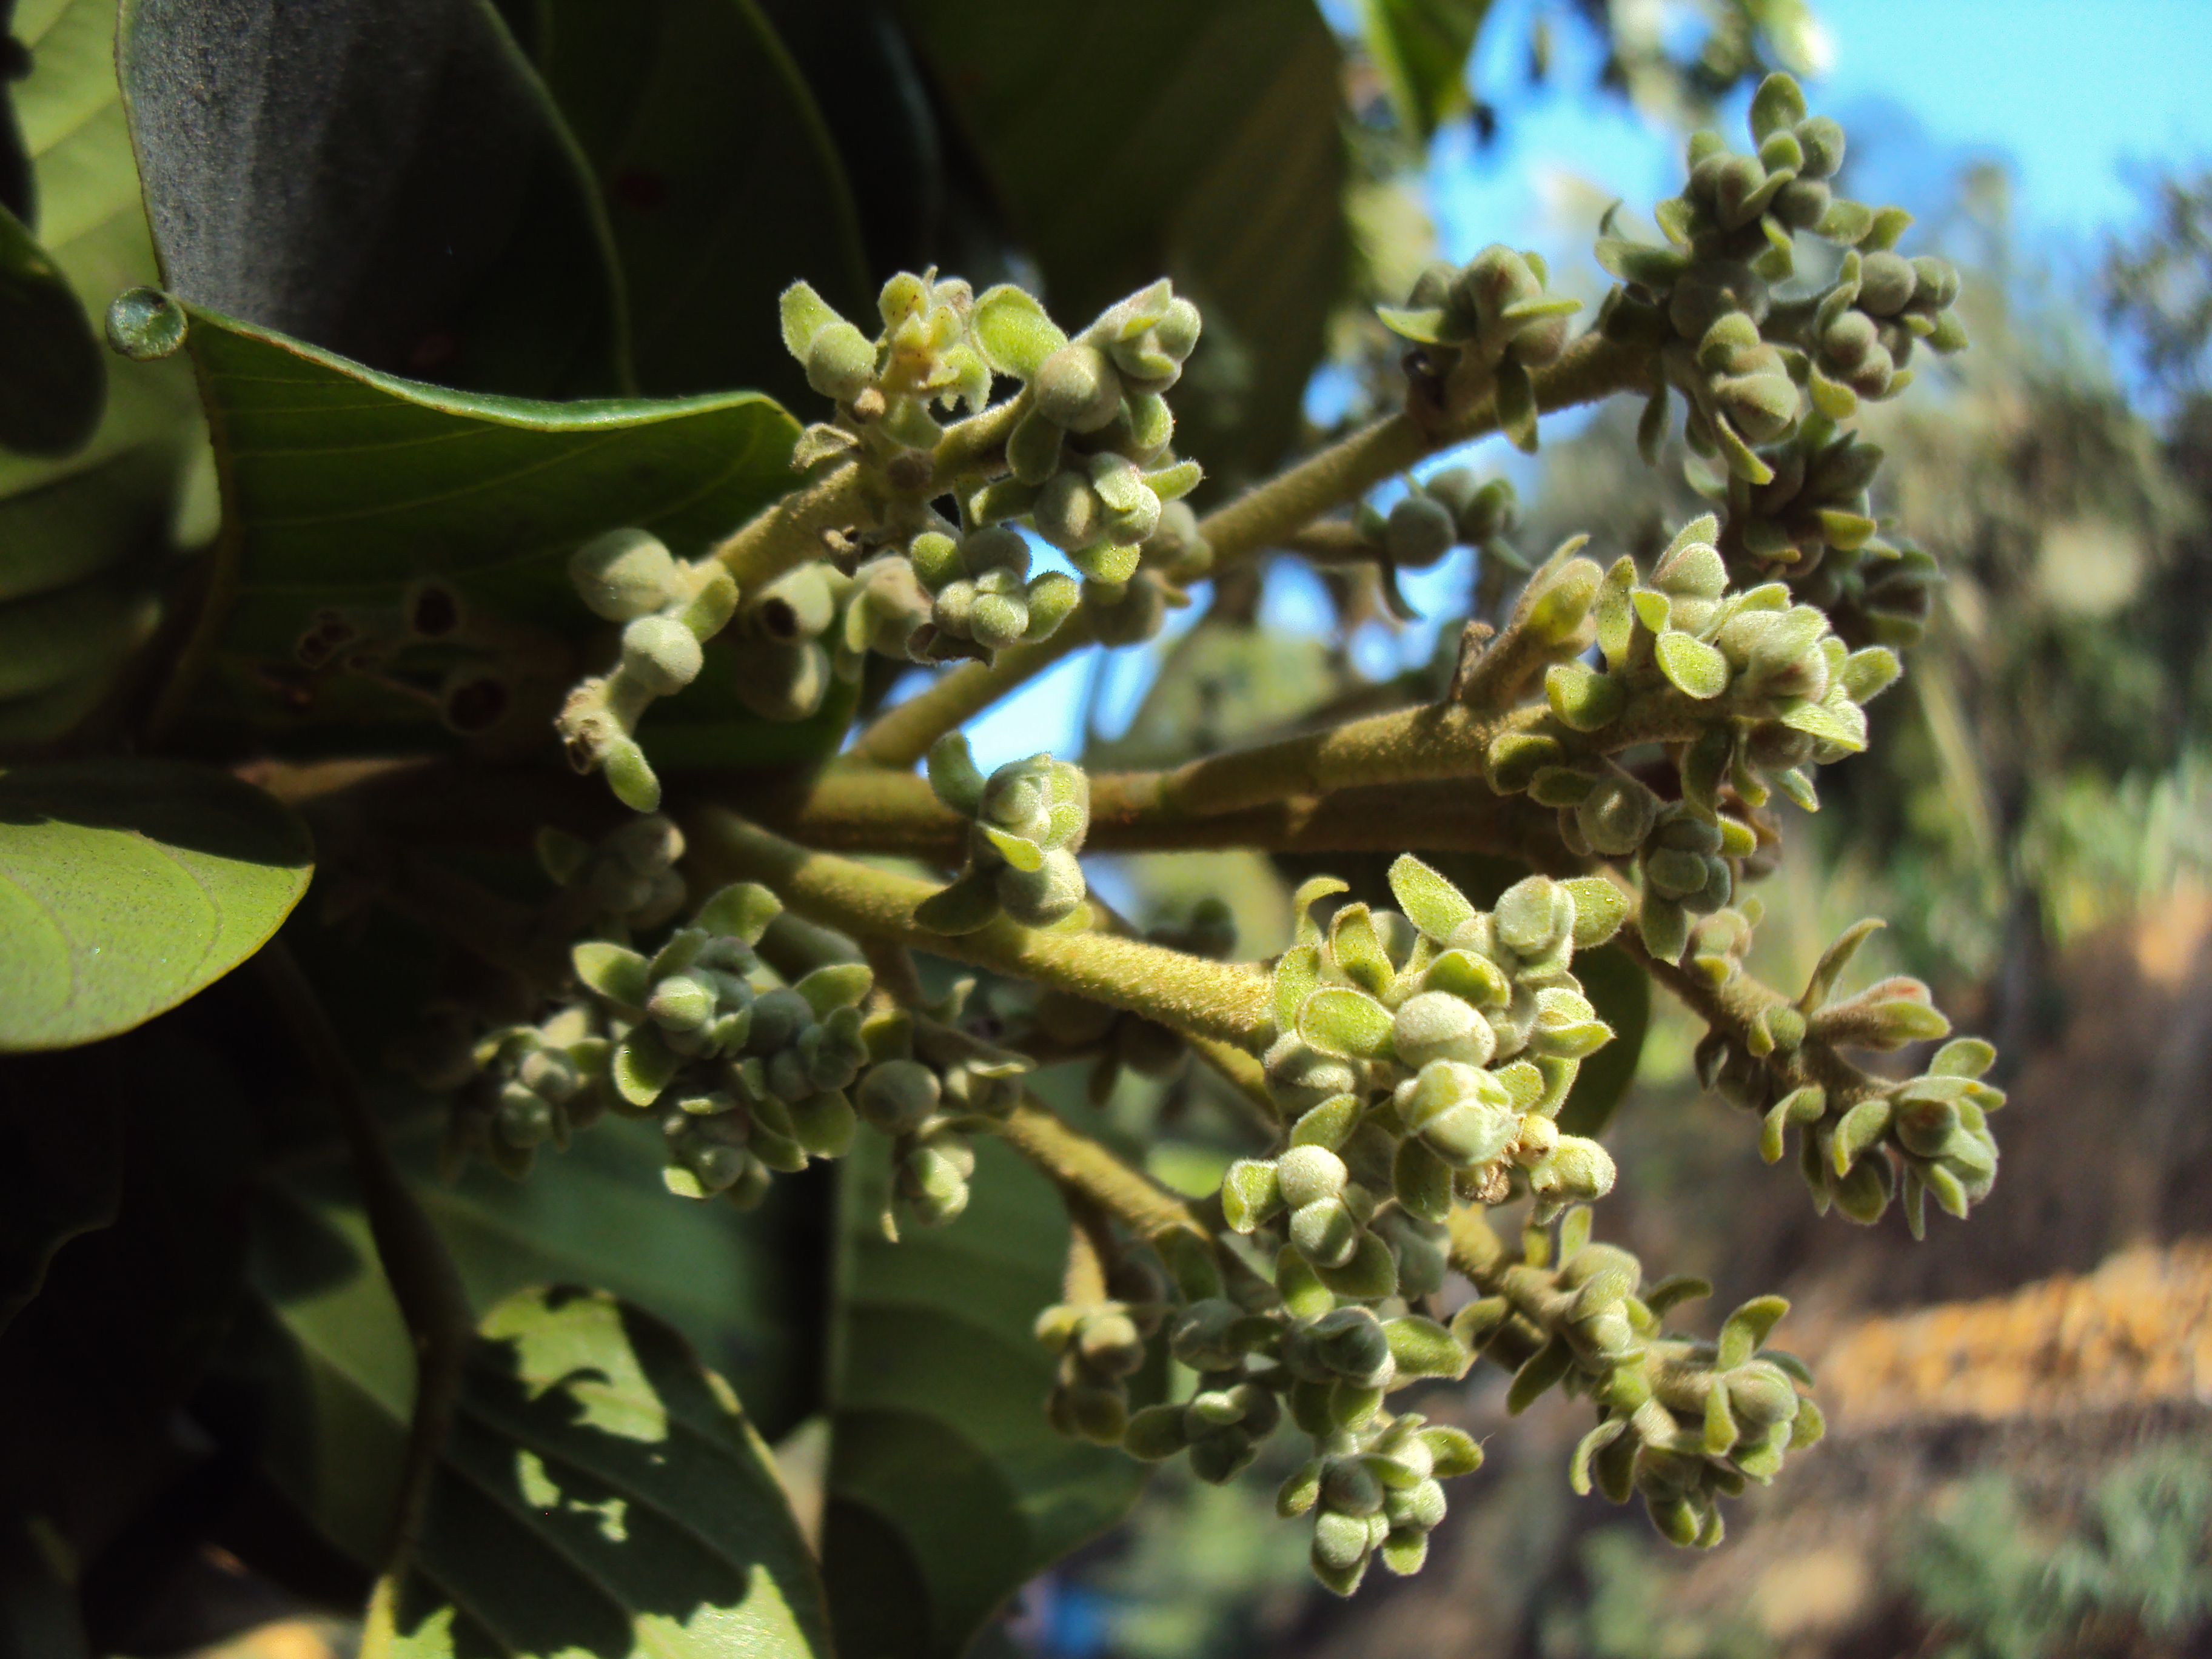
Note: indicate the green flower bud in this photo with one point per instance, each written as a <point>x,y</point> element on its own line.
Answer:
<point>1306,1175</point>
<point>1419,532</point>
<point>624,574</point>
<point>1132,617</point>
<point>1576,1171</point>
<point>1887,281</point>
<point>1616,815</point>
<point>1078,388</point>
<point>1041,896</point>
<point>1069,512</point>
<point>841,361</point>
<point>662,654</point>
<point>1325,1232</point>
<point>1436,1025</point>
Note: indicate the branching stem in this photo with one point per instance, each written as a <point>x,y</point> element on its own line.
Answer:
<point>1189,993</point>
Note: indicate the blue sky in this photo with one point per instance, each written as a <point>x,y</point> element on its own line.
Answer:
<point>2079,101</point>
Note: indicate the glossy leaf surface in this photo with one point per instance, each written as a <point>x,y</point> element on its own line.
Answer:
<point>127,885</point>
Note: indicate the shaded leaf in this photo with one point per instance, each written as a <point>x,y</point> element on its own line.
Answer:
<point>65,523</point>
<point>1421,48</point>
<point>53,381</point>
<point>601,1492</point>
<point>947,1487</point>
<point>1152,138</point>
<point>721,182</point>
<point>390,181</point>
<point>1620,991</point>
<point>127,885</point>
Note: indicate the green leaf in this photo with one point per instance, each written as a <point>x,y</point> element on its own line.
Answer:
<point>1430,903</point>
<point>1620,991</point>
<point>721,182</point>
<point>599,1491</point>
<point>1338,1020</point>
<point>345,485</point>
<point>1154,136</point>
<point>127,885</point>
<point>389,182</point>
<point>1697,670</point>
<point>947,1488</point>
<point>1421,47</point>
<point>53,379</point>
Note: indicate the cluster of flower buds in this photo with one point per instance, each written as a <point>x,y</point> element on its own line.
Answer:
<point>1858,1150</point>
<point>1683,1422</point>
<point>750,1079</point>
<point>884,388</point>
<point>1424,1057</point>
<point>982,597</point>
<point>1743,362</point>
<point>1293,1348</point>
<point>1088,461</point>
<point>533,1084</point>
<point>930,1084</point>
<point>1099,1345</point>
<point>1490,322</point>
<point>1450,509</point>
<point>779,665</point>
<point>1124,1041</point>
<point>1030,817</point>
<point>1785,694</point>
<point>667,609</point>
<point>628,877</point>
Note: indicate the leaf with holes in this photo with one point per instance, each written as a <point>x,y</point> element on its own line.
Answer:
<point>127,885</point>
<point>601,1492</point>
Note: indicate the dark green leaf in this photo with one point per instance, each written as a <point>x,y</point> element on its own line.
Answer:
<point>1152,138</point>
<point>390,181</point>
<point>600,1494</point>
<point>1421,48</point>
<point>53,380</point>
<point>127,885</point>
<point>1620,991</point>
<point>947,1487</point>
<point>721,184</point>
<point>720,1275</point>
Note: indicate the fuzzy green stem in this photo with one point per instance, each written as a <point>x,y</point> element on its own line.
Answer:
<point>896,812</point>
<point>1187,993</point>
<point>1079,1164</point>
<point>902,735</point>
<point>1733,1006</point>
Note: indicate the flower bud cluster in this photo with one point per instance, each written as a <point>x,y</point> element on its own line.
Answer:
<point>929,1085</point>
<point>1858,1148</point>
<point>1744,361</point>
<point>1090,458</point>
<point>629,876</point>
<point>884,388</point>
<point>667,609</point>
<point>1450,509</point>
<point>1099,1345</point>
<point>535,1083</point>
<point>1783,693</point>
<point>1491,322</point>
<point>750,1079</point>
<point>1030,818</point>
<point>982,597</point>
<point>1424,1057</point>
<point>1682,1422</point>
<point>1376,1498</point>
